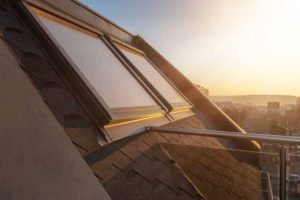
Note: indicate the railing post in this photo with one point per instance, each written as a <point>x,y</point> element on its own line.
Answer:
<point>283,173</point>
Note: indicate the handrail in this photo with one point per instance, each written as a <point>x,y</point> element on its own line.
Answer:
<point>283,140</point>
<point>228,134</point>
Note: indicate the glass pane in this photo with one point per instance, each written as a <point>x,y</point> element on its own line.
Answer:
<point>234,173</point>
<point>158,81</point>
<point>294,172</point>
<point>270,165</point>
<point>104,73</point>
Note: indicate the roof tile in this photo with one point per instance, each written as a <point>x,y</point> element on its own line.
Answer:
<point>156,174</point>
<point>209,176</point>
<point>84,137</point>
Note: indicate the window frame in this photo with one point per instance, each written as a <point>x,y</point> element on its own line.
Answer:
<point>96,107</point>
<point>108,122</point>
<point>172,107</point>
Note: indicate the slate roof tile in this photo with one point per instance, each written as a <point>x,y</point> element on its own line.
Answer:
<point>225,184</point>
<point>8,19</point>
<point>123,187</point>
<point>121,160</point>
<point>142,166</point>
<point>151,170</point>
<point>83,137</point>
<point>80,149</point>
<point>105,168</point>
<point>21,41</point>
<point>39,68</point>
<point>134,149</point>
<point>213,181</point>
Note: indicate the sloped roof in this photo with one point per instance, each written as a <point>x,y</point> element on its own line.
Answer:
<point>145,172</point>
<point>38,161</point>
<point>148,168</point>
<point>52,88</point>
<point>145,168</point>
<point>217,173</point>
<point>176,164</point>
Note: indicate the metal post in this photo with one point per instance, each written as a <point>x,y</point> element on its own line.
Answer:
<point>283,173</point>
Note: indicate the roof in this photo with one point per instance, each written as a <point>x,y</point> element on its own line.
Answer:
<point>38,161</point>
<point>217,173</point>
<point>145,167</point>
<point>168,165</point>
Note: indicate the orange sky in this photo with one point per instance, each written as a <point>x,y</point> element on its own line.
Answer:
<point>229,46</point>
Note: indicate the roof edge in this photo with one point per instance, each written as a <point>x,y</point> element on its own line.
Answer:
<point>101,16</point>
<point>83,14</point>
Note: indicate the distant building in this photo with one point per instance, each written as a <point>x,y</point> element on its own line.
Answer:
<point>298,104</point>
<point>289,108</point>
<point>203,90</point>
<point>273,107</point>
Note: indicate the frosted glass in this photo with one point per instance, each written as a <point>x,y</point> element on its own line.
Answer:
<point>99,67</point>
<point>158,81</point>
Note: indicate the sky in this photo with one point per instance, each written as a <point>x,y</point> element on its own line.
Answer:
<point>231,47</point>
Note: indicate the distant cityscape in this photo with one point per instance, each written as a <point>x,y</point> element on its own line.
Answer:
<point>272,118</point>
<point>273,114</point>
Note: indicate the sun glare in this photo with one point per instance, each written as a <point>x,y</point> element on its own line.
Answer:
<point>232,47</point>
<point>256,51</point>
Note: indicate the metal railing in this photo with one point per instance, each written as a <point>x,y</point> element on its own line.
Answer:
<point>283,140</point>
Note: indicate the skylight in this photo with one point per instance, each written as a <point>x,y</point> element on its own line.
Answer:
<point>117,85</point>
<point>102,71</point>
<point>151,73</point>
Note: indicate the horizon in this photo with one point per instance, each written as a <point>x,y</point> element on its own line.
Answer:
<point>257,100</point>
<point>256,95</point>
<point>230,47</point>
